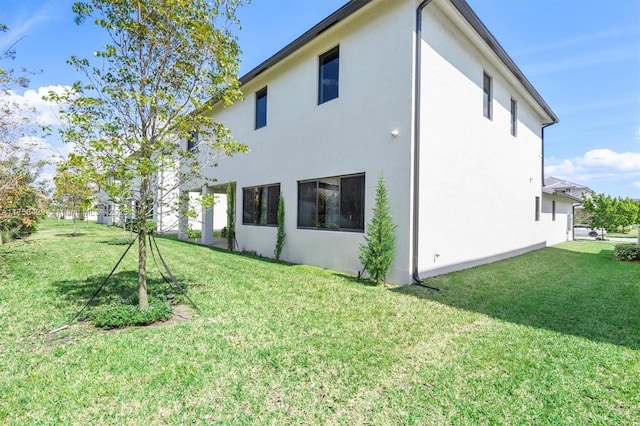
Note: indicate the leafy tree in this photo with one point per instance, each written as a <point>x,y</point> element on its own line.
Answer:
<point>379,252</point>
<point>601,207</point>
<point>74,186</point>
<point>281,235</point>
<point>20,195</point>
<point>164,65</point>
<point>626,211</point>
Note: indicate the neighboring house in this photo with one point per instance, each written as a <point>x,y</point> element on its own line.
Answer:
<point>566,187</point>
<point>558,213</point>
<point>419,91</point>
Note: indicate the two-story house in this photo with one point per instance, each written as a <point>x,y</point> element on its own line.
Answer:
<point>420,91</point>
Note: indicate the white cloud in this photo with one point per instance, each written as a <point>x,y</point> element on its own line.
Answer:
<point>598,168</point>
<point>605,158</point>
<point>47,112</point>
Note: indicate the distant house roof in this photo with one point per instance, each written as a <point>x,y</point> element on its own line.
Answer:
<point>559,184</point>
<point>354,5</point>
<point>560,193</point>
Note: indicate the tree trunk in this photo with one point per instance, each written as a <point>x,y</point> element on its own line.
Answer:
<point>73,216</point>
<point>140,221</point>
<point>142,268</point>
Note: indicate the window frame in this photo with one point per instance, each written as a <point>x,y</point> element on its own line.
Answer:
<point>261,113</point>
<point>537,208</point>
<point>553,210</point>
<point>270,209</point>
<point>487,95</point>
<point>514,117</point>
<point>323,61</point>
<point>193,141</point>
<point>318,216</point>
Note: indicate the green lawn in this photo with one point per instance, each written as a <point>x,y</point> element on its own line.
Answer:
<point>631,234</point>
<point>551,337</point>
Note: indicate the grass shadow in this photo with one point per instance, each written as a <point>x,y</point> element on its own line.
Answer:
<point>121,285</point>
<point>589,295</point>
<point>367,282</point>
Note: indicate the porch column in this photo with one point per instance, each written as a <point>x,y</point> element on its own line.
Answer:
<point>207,218</point>
<point>183,220</point>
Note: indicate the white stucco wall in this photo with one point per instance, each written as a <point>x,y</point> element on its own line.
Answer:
<point>478,182</point>
<point>347,135</point>
<point>561,229</point>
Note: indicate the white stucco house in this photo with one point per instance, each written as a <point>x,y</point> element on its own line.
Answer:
<point>418,90</point>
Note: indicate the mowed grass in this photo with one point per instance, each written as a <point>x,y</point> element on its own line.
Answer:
<point>551,337</point>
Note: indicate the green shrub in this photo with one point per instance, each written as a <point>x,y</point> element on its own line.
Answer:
<point>627,251</point>
<point>126,313</point>
<point>123,241</point>
<point>152,226</point>
<point>192,233</point>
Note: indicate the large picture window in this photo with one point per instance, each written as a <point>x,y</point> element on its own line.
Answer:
<point>260,205</point>
<point>332,203</point>
<point>328,76</point>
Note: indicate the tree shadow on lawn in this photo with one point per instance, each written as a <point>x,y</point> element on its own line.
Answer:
<point>581,294</point>
<point>121,285</point>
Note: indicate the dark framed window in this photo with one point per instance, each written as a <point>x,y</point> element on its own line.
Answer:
<point>261,108</point>
<point>260,205</point>
<point>335,203</point>
<point>553,210</point>
<point>537,209</point>
<point>514,117</point>
<point>328,75</point>
<point>487,96</point>
<point>192,142</point>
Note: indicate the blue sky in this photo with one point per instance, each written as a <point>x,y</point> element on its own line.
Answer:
<point>583,56</point>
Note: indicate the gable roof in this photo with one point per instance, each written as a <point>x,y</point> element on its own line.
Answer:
<point>354,5</point>
<point>549,191</point>
<point>559,184</point>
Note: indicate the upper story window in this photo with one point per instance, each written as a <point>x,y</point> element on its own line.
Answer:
<point>487,96</point>
<point>192,142</point>
<point>335,203</point>
<point>261,108</point>
<point>260,205</point>
<point>328,75</point>
<point>514,117</point>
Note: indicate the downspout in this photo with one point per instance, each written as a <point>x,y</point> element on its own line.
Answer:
<point>416,147</point>
<point>544,126</point>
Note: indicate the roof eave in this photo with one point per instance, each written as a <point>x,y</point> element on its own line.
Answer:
<point>337,16</point>
<point>463,7</point>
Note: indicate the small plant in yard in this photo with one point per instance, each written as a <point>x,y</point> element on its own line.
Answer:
<point>122,241</point>
<point>378,254</point>
<point>280,238</point>
<point>231,217</point>
<point>126,312</point>
<point>627,251</point>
